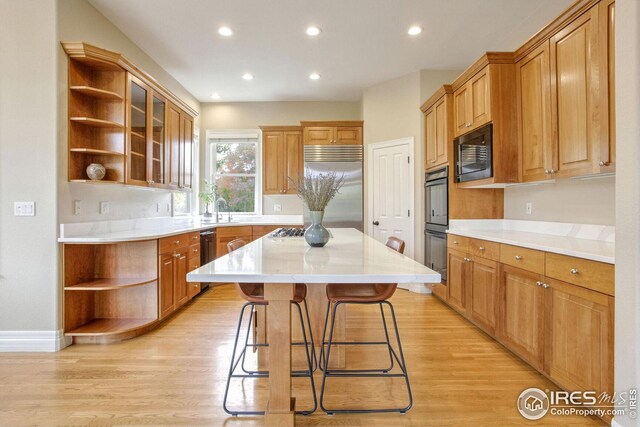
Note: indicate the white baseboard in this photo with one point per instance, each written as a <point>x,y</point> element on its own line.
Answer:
<point>418,288</point>
<point>33,341</point>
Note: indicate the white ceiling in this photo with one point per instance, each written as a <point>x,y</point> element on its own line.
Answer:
<point>363,42</point>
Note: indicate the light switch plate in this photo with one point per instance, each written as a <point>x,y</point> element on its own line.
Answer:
<point>76,207</point>
<point>529,208</point>
<point>24,208</point>
<point>277,208</point>
<point>104,208</point>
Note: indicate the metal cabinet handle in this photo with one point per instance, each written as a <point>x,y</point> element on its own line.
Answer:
<point>467,259</point>
<point>518,257</point>
<point>553,171</point>
<point>177,242</point>
<point>376,222</point>
<point>574,271</point>
<point>433,161</point>
<point>455,242</point>
<point>538,283</point>
<point>602,163</point>
<point>544,285</point>
<point>546,171</point>
<point>481,248</point>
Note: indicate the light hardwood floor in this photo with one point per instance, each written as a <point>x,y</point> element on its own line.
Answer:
<point>176,374</point>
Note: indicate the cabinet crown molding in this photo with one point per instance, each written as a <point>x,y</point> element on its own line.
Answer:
<point>487,59</point>
<point>111,60</point>
<point>353,123</point>
<point>442,91</point>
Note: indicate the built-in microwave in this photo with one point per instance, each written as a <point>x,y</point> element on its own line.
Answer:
<point>473,154</point>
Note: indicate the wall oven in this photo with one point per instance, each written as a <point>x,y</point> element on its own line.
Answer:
<point>473,155</point>
<point>436,189</point>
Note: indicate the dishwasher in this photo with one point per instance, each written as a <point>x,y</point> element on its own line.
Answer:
<point>207,251</point>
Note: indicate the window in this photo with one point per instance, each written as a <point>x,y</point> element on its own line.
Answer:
<point>234,169</point>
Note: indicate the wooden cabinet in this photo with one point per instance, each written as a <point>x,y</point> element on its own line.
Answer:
<point>332,133</point>
<point>146,135</point>
<point>522,313</point>
<point>535,136</point>
<point>574,95</point>
<point>483,293</point>
<point>485,94</point>
<point>606,37</point>
<point>282,153</point>
<point>167,292</point>
<point>436,130</point>
<point>121,118</point>
<point>472,103</point>
<point>178,255</point>
<point>226,234</point>
<point>457,280</point>
<point>579,340</point>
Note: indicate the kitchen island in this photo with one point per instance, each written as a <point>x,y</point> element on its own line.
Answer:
<point>279,263</point>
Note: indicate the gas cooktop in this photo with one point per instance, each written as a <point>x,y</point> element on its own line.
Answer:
<point>288,232</point>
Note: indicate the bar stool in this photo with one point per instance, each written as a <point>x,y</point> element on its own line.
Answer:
<point>253,293</point>
<point>368,294</point>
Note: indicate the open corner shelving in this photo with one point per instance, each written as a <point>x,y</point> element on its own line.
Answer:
<point>96,112</point>
<point>110,289</point>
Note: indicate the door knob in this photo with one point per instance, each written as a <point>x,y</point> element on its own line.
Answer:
<point>376,222</point>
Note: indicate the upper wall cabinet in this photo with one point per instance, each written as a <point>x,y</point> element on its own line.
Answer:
<point>282,151</point>
<point>332,133</point>
<point>485,93</point>
<point>535,136</point>
<point>121,118</point>
<point>472,103</point>
<point>566,111</point>
<point>437,122</point>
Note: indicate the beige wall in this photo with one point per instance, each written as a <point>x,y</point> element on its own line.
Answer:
<point>627,334</point>
<point>391,110</point>
<point>250,115</point>
<point>585,201</point>
<point>79,21</point>
<point>29,292</point>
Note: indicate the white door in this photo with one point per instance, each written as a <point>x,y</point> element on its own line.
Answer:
<point>391,191</point>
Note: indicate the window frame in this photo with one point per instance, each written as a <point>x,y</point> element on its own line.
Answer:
<point>212,135</point>
<point>192,199</point>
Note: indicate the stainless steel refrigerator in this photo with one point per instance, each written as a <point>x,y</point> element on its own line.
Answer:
<point>345,210</point>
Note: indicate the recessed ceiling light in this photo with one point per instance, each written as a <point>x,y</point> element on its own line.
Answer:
<point>313,31</point>
<point>414,31</point>
<point>215,95</point>
<point>314,76</point>
<point>225,31</point>
<point>247,76</point>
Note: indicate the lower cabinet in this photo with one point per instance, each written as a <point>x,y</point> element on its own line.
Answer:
<point>483,291</point>
<point>226,234</point>
<point>525,301</point>
<point>522,313</point>
<point>579,340</point>
<point>178,256</point>
<point>456,280</point>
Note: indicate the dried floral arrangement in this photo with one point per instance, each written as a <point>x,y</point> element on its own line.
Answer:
<point>317,190</point>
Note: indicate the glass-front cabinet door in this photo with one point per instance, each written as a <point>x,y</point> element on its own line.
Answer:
<point>158,143</point>
<point>138,132</point>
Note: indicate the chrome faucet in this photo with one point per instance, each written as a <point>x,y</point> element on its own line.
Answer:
<point>217,205</point>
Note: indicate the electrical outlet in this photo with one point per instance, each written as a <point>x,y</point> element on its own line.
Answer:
<point>169,208</point>
<point>529,208</point>
<point>104,208</point>
<point>24,208</point>
<point>277,208</point>
<point>158,207</point>
<point>76,207</point>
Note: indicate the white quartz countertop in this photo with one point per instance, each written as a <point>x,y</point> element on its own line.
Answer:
<point>155,228</point>
<point>349,257</point>
<point>591,242</point>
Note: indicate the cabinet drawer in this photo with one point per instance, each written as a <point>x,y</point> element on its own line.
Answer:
<point>597,276</point>
<point>194,238</point>
<point>484,249</point>
<point>459,243</point>
<point>234,231</point>
<point>527,259</point>
<point>171,243</point>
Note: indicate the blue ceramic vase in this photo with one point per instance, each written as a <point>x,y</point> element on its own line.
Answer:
<point>316,235</point>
